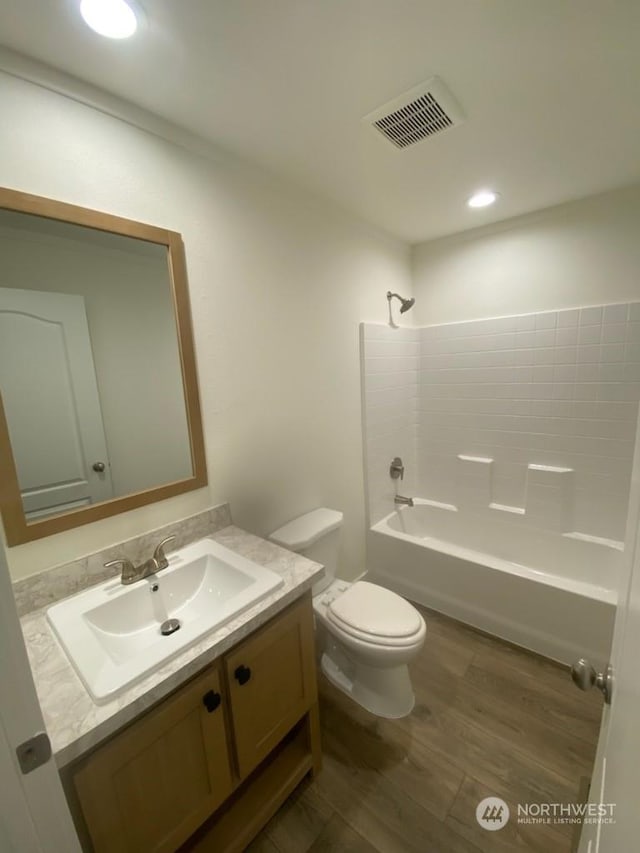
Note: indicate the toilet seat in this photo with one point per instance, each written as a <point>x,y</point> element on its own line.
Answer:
<point>375,615</point>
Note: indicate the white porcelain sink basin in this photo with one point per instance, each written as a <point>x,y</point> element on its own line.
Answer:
<point>111,633</point>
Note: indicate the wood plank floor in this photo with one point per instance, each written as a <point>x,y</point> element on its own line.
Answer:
<point>490,719</point>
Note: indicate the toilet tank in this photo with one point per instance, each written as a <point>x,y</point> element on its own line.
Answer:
<point>316,535</point>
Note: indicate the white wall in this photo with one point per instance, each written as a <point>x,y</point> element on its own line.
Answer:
<point>129,305</point>
<point>583,253</point>
<point>279,282</point>
<point>390,370</point>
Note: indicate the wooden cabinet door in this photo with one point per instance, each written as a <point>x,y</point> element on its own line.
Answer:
<point>272,683</point>
<point>150,787</point>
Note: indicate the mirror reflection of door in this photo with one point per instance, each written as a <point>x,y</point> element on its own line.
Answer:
<point>46,366</point>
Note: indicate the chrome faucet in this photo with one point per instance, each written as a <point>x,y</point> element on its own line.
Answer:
<point>131,573</point>
<point>400,499</point>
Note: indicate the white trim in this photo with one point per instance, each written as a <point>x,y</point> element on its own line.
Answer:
<point>47,77</point>
<point>33,806</point>
<point>17,831</point>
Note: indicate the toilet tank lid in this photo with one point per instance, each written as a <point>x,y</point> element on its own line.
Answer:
<point>303,531</point>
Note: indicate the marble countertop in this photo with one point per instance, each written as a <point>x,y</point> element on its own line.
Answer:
<point>76,724</point>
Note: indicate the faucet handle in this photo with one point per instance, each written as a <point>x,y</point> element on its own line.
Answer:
<point>158,555</point>
<point>396,469</point>
<point>128,569</point>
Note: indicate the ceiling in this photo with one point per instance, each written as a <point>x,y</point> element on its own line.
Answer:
<point>550,89</point>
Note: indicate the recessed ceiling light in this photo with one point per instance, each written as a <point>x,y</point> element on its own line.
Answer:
<point>483,198</point>
<point>114,19</point>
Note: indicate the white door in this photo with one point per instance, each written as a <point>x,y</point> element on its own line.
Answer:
<point>34,817</point>
<point>48,385</point>
<point>616,777</point>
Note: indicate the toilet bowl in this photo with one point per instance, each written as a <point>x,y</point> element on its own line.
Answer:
<point>366,634</point>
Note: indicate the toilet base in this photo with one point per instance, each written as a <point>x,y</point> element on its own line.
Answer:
<point>385,692</point>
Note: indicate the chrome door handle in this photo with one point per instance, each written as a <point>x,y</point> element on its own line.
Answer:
<point>584,676</point>
<point>99,467</point>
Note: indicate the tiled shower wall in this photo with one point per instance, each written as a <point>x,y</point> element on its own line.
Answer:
<point>533,416</point>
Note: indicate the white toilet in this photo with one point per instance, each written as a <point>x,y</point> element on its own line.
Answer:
<point>366,634</point>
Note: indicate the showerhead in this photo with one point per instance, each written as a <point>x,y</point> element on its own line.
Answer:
<point>405,304</point>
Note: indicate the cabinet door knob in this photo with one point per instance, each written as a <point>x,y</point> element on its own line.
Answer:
<point>242,674</point>
<point>211,700</point>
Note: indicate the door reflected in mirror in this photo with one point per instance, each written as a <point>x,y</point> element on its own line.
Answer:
<point>92,371</point>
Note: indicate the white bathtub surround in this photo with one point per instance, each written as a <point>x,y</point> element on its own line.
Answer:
<point>474,476</point>
<point>413,552</point>
<point>551,398</point>
<point>529,416</point>
<point>549,497</point>
<point>521,445</point>
<point>562,561</point>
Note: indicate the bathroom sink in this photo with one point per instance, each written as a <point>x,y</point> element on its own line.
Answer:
<point>112,633</point>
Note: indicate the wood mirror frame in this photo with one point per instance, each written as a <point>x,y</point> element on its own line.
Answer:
<point>17,530</point>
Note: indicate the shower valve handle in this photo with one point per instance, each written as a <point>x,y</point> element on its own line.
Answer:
<point>396,469</point>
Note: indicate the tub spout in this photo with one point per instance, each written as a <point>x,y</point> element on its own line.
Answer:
<point>400,499</point>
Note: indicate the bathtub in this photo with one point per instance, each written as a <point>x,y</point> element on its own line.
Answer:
<point>552,593</point>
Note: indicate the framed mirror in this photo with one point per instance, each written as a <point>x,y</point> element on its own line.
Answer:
<point>99,405</point>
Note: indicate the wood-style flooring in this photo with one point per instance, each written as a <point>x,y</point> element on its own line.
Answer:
<point>490,719</point>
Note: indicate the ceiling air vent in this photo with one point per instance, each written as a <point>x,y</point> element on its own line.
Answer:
<point>425,110</point>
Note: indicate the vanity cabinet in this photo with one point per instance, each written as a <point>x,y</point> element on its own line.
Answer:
<point>272,681</point>
<point>224,750</point>
<point>152,785</point>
